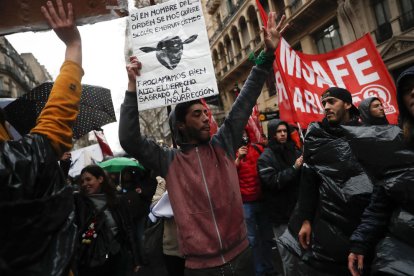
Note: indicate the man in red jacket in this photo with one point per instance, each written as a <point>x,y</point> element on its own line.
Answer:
<point>259,228</point>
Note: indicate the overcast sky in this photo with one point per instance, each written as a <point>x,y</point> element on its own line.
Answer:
<point>103,60</point>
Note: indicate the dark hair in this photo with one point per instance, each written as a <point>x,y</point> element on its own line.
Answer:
<point>181,109</point>
<point>107,187</point>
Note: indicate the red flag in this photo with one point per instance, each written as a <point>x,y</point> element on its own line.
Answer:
<point>106,150</point>
<point>254,128</point>
<point>262,12</point>
<point>301,79</point>
<point>213,123</point>
<point>294,135</point>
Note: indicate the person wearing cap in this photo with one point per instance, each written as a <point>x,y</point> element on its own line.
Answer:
<point>334,189</point>
<point>338,107</point>
<point>372,112</point>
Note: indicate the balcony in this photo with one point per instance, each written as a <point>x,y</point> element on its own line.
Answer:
<point>383,32</point>
<point>304,14</point>
<point>238,63</point>
<point>226,22</point>
<point>407,20</point>
<point>27,84</point>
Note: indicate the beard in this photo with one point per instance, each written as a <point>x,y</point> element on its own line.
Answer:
<point>194,134</point>
<point>339,117</point>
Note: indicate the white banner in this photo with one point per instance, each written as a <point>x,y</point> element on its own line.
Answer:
<point>170,39</point>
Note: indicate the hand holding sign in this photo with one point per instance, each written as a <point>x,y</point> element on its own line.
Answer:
<point>272,32</point>
<point>133,70</point>
<point>171,40</point>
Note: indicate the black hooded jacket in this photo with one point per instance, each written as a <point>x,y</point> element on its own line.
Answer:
<point>279,179</point>
<point>390,213</point>
<point>334,192</point>
<point>365,114</point>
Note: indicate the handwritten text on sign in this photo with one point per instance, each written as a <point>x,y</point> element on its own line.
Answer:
<point>170,40</point>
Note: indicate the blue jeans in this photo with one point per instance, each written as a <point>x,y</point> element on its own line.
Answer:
<point>260,235</point>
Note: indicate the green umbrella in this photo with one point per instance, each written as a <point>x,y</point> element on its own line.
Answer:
<point>117,164</point>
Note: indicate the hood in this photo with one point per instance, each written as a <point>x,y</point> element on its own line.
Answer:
<point>365,114</point>
<point>175,134</point>
<point>404,75</point>
<point>272,127</point>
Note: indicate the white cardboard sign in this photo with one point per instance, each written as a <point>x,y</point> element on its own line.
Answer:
<point>170,39</point>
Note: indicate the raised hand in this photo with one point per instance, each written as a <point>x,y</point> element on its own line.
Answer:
<point>133,70</point>
<point>273,31</point>
<point>63,24</point>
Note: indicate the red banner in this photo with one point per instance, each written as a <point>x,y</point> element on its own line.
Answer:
<point>302,78</point>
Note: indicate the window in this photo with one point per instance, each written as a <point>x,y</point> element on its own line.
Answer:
<point>218,20</point>
<point>295,5</point>
<point>230,6</point>
<point>328,38</point>
<point>382,15</point>
<point>407,14</point>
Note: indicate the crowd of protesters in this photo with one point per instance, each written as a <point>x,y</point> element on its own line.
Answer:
<point>341,204</point>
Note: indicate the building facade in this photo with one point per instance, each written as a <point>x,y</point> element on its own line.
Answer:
<point>18,73</point>
<point>315,26</point>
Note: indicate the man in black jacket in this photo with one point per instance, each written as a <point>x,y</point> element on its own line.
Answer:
<point>334,189</point>
<point>279,166</point>
<point>279,170</point>
<point>387,223</point>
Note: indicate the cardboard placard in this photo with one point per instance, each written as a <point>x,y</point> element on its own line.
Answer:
<point>25,15</point>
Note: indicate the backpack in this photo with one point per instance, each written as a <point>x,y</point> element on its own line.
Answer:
<point>97,241</point>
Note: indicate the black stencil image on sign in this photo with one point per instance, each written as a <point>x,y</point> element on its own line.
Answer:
<point>169,50</point>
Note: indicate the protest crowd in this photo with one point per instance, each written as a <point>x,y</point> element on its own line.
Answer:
<point>336,198</point>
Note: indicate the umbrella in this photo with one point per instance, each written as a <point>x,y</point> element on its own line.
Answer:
<point>96,109</point>
<point>117,164</point>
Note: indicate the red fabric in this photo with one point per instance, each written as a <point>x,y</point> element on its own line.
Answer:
<point>213,123</point>
<point>105,148</point>
<point>254,128</point>
<point>262,12</point>
<point>301,79</point>
<point>296,138</point>
<point>248,177</point>
<point>253,132</point>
